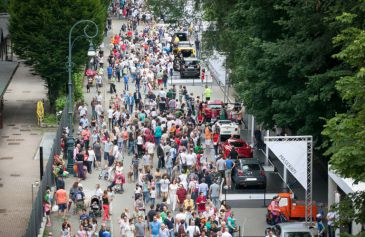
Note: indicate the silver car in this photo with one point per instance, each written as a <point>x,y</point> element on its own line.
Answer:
<point>295,229</point>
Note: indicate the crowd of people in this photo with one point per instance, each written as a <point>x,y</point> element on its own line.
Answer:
<point>158,129</point>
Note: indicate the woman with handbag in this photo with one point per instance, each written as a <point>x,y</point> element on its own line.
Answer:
<point>193,230</point>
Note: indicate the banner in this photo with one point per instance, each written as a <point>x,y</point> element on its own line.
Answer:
<point>293,155</point>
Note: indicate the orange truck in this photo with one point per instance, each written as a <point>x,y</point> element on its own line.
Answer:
<point>294,209</point>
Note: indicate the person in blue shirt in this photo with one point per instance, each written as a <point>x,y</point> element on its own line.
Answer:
<point>158,134</point>
<point>130,102</point>
<point>228,172</point>
<point>155,227</point>
<point>110,72</point>
<point>84,215</point>
<point>126,78</point>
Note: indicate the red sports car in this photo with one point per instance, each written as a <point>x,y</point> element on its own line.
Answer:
<point>243,149</point>
<point>212,110</point>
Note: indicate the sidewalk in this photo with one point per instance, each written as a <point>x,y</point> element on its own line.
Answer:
<point>19,142</point>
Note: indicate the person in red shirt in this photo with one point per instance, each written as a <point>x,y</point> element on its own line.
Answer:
<point>216,142</point>
<point>201,201</point>
<point>181,195</point>
<point>200,118</point>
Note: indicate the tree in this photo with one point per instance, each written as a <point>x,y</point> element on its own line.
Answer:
<point>3,6</point>
<point>346,131</point>
<point>39,31</point>
<point>280,56</point>
<point>169,11</point>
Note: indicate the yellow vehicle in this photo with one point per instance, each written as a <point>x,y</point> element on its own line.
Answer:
<point>184,51</point>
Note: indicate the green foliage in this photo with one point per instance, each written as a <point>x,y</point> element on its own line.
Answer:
<point>78,82</point>
<point>60,103</point>
<point>3,6</point>
<point>50,119</point>
<point>40,29</point>
<point>346,131</point>
<point>172,10</point>
<point>351,207</point>
<point>280,56</point>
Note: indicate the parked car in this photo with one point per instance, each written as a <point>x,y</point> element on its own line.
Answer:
<point>190,67</point>
<point>249,172</point>
<point>294,229</point>
<point>243,149</point>
<point>183,36</point>
<point>212,110</point>
<point>227,128</point>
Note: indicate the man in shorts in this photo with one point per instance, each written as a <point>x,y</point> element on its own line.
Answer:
<point>61,200</point>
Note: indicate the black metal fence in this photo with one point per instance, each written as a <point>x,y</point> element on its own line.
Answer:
<point>37,213</point>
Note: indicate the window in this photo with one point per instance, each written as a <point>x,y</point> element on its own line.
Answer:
<point>297,234</point>
<point>250,167</point>
<point>237,144</point>
<point>214,106</point>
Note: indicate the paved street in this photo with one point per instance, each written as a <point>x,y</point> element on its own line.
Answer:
<point>249,210</point>
<point>19,141</point>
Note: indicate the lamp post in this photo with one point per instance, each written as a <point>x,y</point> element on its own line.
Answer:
<point>91,53</point>
<point>225,187</point>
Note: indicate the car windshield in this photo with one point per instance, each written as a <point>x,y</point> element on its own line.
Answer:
<point>237,144</point>
<point>251,167</point>
<point>187,53</point>
<point>190,63</point>
<point>297,234</point>
<point>225,121</point>
<point>182,36</point>
<point>214,106</point>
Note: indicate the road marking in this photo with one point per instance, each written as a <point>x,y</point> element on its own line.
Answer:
<point>249,196</point>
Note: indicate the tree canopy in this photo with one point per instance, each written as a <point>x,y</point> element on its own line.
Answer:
<point>39,31</point>
<point>346,131</point>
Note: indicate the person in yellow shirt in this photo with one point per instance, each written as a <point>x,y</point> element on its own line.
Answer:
<point>189,202</point>
<point>207,93</point>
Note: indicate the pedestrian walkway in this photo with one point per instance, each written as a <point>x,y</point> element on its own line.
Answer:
<point>19,141</point>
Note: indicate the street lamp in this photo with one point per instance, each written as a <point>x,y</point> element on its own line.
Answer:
<point>225,187</point>
<point>91,52</point>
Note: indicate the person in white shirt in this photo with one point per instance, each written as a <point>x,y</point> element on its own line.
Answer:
<point>226,233</point>
<point>82,110</point>
<point>192,229</point>
<point>98,191</point>
<point>164,186</point>
<point>190,159</point>
<point>110,116</point>
<point>150,150</point>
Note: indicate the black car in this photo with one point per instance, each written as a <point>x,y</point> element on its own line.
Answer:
<point>249,172</point>
<point>190,67</point>
<point>181,35</point>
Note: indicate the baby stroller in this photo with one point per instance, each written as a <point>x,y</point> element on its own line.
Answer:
<point>104,174</point>
<point>95,207</point>
<point>118,188</point>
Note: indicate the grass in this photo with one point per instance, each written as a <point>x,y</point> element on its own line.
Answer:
<point>50,119</point>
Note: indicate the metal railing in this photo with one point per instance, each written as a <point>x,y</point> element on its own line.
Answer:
<point>37,213</point>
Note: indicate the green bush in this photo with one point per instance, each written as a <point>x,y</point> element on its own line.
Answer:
<point>78,82</point>
<point>50,119</point>
<point>60,103</point>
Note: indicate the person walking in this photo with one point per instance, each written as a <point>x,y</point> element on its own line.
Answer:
<point>207,93</point>
<point>90,159</point>
<point>105,199</point>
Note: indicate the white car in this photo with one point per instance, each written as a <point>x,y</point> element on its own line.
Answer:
<point>227,128</point>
